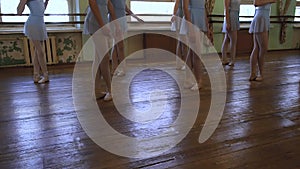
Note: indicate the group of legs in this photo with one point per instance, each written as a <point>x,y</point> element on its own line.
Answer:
<point>259,27</point>
<point>105,70</point>
<point>188,57</point>
<point>193,24</point>
<point>260,46</point>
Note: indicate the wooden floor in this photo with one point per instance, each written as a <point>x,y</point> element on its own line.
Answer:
<point>260,127</point>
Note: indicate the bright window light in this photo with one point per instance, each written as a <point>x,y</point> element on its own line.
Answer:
<point>54,7</point>
<point>146,7</point>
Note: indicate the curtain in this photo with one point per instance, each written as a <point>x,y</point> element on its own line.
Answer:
<point>282,10</point>
<point>209,6</point>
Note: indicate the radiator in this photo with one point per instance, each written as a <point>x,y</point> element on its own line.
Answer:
<point>49,47</point>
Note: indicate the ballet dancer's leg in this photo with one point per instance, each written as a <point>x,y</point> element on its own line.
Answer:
<point>224,49</point>
<point>36,68</point>
<point>254,58</point>
<point>197,72</point>
<point>233,41</point>
<point>41,60</point>
<point>262,40</point>
<point>105,72</point>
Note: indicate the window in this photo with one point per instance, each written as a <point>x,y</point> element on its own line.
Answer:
<point>297,11</point>
<point>165,7</point>
<point>54,7</point>
<point>150,9</point>
<point>247,9</point>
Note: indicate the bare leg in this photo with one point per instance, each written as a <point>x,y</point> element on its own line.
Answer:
<point>197,70</point>
<point>121,57</point>
<point>36,68</point>
<point>104,66</point>
<point>263,47</point>
<point>179,54</point>
<point>104,71</point>
<point>196,62</point>
<point>184,51</point>
<point>118,56</point>
<point>40,59</point>
<point>224,49</point>
<point>233,40</point>
<point>188,83</point>
<point>254,58</point>
<point>115,61</point>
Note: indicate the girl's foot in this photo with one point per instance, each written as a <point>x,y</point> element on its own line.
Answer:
<point>259,78</point>
<point>101,96</point>
<point>195,87</point>
<point>36,78</point>
<point>231,64</point>
<point>107,97</point>
<point>225,62</point>
<point>252,78</point>
<point>121,73</point>
<point>188,84</point>
<point>45,79</point>
<point>180,67</point>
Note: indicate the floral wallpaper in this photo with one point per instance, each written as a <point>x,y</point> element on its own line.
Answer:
<point>68,46</point>
<point>11,52</point>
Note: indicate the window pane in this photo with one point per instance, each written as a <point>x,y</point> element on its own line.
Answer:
<point>54,7</point>
<point>10,7</point>
<point>145,7</point>
<point>247,10</point>
<point>297,13</point>
<point>57,7</point>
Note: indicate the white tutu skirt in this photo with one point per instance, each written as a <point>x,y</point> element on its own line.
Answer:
<point>35,28</point>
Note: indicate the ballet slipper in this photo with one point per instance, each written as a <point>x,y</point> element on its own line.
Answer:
<point>225,62</point>
<point>107,97</point>
<point>195,87</point>
<point>231,64</point>
<point>259,78</point>
<point>36,78</point>
<point>121,73</point>
<point>252,78</point>
<point>101,96</point>
<point>45,79</point>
